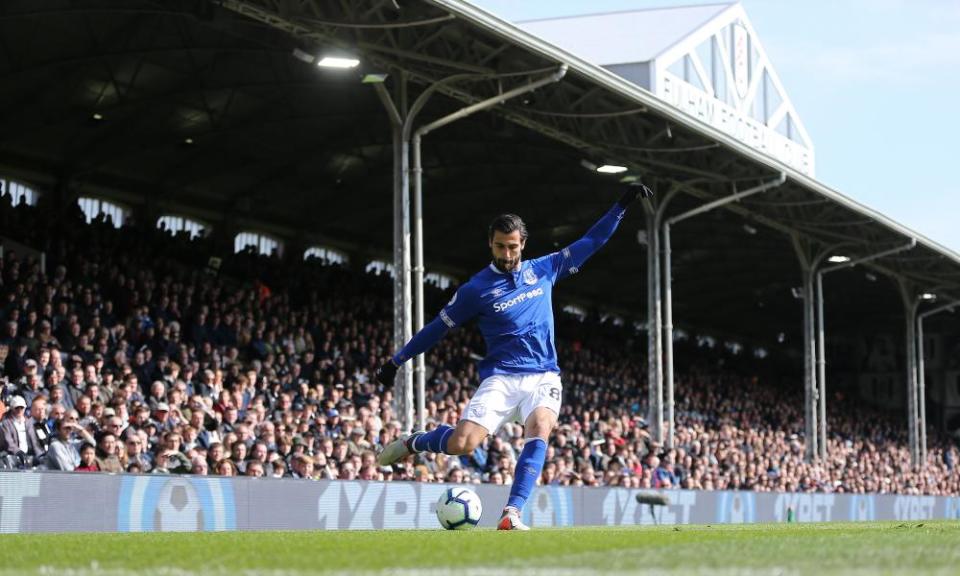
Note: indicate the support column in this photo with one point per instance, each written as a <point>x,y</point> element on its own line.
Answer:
<point>922,400</point>
<point>420,361</point>
<point>809,380</point>
<point>402,297</point>
<point>668,332</point>
<point>667,348</point>
<point>404,273</point>
<point>910,305</point>
<point>654,338</point>
<point>668,278</point>
<point>912,387</point>
<point>811,390</point>
<point>821,345</point>
<point>402,293</point>
<point>921,376</point>
<point>821,371</point>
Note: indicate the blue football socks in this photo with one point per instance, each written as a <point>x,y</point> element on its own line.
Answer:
<point>434,440</point>
<point>529,465</point>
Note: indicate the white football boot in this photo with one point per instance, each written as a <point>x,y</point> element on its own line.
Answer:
<point>510,520</point>
<point>398,449</point>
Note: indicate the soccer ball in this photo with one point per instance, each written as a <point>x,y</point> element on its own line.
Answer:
<point>459,508</point>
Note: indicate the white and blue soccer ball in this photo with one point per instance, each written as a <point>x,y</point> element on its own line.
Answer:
<point>459,508</point>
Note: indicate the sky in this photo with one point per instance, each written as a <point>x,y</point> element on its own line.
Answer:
<point>876,83</point>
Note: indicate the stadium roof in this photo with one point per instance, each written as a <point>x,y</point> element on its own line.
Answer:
<point>706,60</point>
<point>628,36</point>
<point>281,145</point>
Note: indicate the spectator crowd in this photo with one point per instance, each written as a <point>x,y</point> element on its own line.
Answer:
<point>128,356</point>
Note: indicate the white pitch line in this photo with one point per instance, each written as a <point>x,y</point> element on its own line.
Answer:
<point>95,570</point>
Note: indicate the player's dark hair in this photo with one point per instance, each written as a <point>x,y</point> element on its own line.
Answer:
<point>507,223</point>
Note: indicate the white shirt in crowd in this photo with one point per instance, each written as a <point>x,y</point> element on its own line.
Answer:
<point>21,426</point>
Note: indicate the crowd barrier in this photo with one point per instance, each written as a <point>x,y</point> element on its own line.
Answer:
<point>90,502</point>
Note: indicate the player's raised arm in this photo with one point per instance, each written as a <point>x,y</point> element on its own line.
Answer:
<point>569,260</point>
<point>461,308</point>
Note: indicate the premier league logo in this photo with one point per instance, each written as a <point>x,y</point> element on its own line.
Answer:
<point>529,276</point>
<point>175,504</point>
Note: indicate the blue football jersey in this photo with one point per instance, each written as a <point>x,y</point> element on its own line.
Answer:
<point>514,310</point>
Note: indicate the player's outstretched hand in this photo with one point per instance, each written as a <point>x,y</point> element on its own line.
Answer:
<point>387,373</point>
<point>634,191</point>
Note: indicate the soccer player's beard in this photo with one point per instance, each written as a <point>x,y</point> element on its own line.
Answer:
<point>506,264</point>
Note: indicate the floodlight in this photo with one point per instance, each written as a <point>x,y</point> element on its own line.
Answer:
<point>188,141</point>
<point>374,78</point>
<point>838,259</point>
<point>338,62</point>
<point>928,296</point>
<point>97,116</point>
<point>602,167</point>
<point>611,169</point>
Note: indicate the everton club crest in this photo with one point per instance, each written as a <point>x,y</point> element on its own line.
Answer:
<point>529,276</point>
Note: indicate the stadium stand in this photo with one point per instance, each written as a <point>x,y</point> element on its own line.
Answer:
<point>129,355</point>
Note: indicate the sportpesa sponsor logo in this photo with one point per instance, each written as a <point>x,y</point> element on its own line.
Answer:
<point>501,306</point>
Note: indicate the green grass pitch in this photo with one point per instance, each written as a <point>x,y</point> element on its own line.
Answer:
<point>821,549</point>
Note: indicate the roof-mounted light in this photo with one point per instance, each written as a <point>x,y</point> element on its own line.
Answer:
<point>338,62</point>
<point>611,169</point>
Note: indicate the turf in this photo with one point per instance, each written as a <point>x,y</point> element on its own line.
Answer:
<point>865,548</point>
